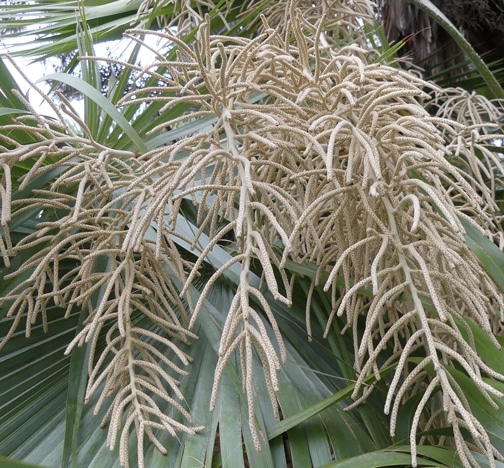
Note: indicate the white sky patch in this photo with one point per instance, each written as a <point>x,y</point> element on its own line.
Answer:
<point>35,71</point>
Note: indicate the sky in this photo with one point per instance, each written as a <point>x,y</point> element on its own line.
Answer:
<point>37,70</point>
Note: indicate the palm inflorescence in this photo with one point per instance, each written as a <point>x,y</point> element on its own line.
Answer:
<point>309,153</point>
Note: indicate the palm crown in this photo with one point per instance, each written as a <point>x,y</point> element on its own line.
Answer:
<point>277,215</point>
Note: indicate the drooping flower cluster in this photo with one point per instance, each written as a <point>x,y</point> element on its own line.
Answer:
<point>309,154</point>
